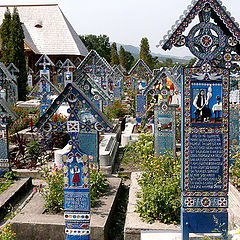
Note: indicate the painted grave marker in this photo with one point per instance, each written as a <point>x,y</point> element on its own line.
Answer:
<point>117,82</point>
<point>93,91</point>
<point>84,117</point>
<point>164,114</point>
<point>68,75</point>
<point>14,71</point>
<point>234,117</point>
<point>44,89</point>
<point>98,69</point>
<point>5,112</point>
<point>140,75</point>
<point>30,72</point>
<point>8,85</point>
<point>59,70</point>
<point>205,115</point>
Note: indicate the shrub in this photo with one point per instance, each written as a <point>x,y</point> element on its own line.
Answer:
<point>26,155</point>
<point>235,171</point>
<point>24,120</point>
<point>160,184</point>
<point>7,234</point>
<point>115,111</point>
<point>53,192</point>
<point>136,151</point>
<point>98,185</point>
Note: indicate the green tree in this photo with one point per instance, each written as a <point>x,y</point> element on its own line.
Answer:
<point>122,57</point>
<point>99,43</point>
<point>145,53</point>
<point>129,60</point>
<point>191,62</point>
<point>5,33</point>
<point>114,55</point>
<point>17,55</point>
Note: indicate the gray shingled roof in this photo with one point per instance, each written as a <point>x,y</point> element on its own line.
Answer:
<point>56,37</point>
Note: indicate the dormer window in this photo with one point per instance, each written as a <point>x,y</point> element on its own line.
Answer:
<point>38,24</point>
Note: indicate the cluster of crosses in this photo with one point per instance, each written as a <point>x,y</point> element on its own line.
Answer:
<point>207,113</point>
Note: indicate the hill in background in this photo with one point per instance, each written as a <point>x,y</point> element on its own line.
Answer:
<point>135,51</point>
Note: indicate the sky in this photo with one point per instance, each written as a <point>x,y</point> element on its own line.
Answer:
<point>127,21</point>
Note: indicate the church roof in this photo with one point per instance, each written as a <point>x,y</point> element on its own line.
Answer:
<point>47,30</point>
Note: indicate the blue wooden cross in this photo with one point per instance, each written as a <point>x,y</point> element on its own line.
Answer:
<point>98,69</point>
<point>164,114</point>
<point>205,115</point>
<point>140,77</point>
<point>68,75</point>
<point>8,85</point>
<point>84,117</point>
<point>5,112</point>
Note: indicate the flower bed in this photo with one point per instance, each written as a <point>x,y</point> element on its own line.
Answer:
<point>7,234</point>
<point>116,110</point>
<point>235,172</point>
<point>160,184</point>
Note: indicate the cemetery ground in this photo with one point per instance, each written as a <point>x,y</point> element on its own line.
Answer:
<point>157,200</point>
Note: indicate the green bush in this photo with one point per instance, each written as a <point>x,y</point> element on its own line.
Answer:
<point>98,185</point>
<point>7,234</point>
<point>115,111</point>
<point>235,171</point>
<point>136,151</point>
<point>160,184</point>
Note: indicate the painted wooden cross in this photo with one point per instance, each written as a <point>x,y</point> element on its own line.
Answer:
<point>30,72</point>
<point>205,115</point>
<point>98,68</point>
<point>164,113</point>
<point>118,77</point>
<point>68,75</point>
<point>5,112</point>
<point>14,71</point>
<point>93,90</point>
<point>8,85</point>
<point>140,77</point>
<point>44,89</point>
<point>83,117</point>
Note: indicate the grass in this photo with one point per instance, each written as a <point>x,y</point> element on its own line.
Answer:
<point>4,186</point>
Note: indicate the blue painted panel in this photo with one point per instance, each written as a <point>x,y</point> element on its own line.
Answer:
<point>83,237</point>
<point>163,133</point>
<point>90,145</point>
<point>140,103</point>
<point>206,162</point>
<point>76,199</point>
<point>233,134</point>
<point>117,92</point>
<point>203,223</point>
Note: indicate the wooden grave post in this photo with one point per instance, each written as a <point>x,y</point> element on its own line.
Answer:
<point>13,97</point>
<point>234,117</point>
<point>5,112</point>
<point>68,75</point>
<point>98,69</point>
<point>140,77</point>
<point>30,77</point>
<point>205,115</point>
<point>83,117</point>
